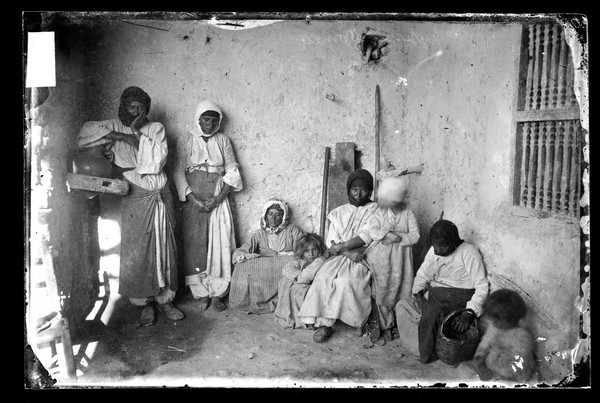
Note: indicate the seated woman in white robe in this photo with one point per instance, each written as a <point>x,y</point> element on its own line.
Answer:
<point>342,287</point>
<point>259,261</point>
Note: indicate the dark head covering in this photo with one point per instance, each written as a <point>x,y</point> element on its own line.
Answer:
<point>362,174</point>
<point>362,177</point>
<point>445,232</point>
<point>129,95</point>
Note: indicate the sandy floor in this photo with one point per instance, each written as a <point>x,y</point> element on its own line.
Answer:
<point>233,349</point>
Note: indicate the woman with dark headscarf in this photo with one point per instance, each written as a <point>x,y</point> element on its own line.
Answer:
<point>148,271</point>
<point>342,287</point>
<point>205,173</point>
<point>260,260</point>
<point>454,277</point>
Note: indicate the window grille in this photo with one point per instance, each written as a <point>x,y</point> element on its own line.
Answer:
<point>548,129</point>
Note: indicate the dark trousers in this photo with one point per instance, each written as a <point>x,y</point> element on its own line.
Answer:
<point>441,301</point>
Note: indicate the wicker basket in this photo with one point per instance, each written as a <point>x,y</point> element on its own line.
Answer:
<point>452,347</point>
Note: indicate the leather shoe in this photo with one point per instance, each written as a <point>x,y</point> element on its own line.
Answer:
<point>148,317</point>
<point>170,311</point>
<point>322,334</point>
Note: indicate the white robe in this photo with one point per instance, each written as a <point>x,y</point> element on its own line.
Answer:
<point>392,265</point>
<point>148,160</point>
<point>214,155</point>
<point>463,268</point>
<point>341,289</point>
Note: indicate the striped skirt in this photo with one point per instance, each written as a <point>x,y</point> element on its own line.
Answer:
<point>254,284</point>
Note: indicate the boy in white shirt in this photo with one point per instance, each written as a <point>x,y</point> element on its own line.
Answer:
<point>453,276</point>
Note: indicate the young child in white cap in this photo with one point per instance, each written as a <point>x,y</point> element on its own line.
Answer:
<point>394,230</point>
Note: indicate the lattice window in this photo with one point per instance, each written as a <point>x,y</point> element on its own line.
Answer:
<point>548,130</point>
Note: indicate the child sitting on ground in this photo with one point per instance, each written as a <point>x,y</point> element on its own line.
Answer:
<point>297,278</point>
<point>507,349</point>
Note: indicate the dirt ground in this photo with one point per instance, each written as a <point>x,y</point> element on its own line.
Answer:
<point>232,349</point>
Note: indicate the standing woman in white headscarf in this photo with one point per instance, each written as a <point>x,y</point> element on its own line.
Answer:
<point>206,171</point>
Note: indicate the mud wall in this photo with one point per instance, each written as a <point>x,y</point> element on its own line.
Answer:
<point>447,96</point>
<point>53,116</point>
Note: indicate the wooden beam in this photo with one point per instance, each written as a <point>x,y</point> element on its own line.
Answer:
<point>548,114</point>
<point>97,184</point>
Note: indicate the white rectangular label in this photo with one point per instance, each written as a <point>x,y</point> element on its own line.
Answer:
<point>41,70</point>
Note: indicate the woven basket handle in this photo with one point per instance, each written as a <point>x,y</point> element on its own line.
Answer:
<point>457,312</point>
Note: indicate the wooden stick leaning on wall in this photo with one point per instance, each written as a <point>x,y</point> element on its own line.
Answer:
<point>377,141</point>
<point>324,193</point>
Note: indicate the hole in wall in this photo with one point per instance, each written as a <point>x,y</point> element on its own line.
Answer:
<point>373,47</point>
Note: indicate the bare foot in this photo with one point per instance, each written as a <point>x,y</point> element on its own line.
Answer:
<point>203,304</point>
<point>217,304</point>
<point>386,335</point>
<point>358,331</point>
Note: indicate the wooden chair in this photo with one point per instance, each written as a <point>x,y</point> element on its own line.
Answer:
<point>53,328</point>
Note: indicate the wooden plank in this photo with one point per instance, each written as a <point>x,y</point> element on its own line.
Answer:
<point>377,140</point>
<point>338,174</point>
<point>536,68</point>
<point>97,184</point>
<point>548,114</point>
<point>529,82</point>
<point>324,192</point>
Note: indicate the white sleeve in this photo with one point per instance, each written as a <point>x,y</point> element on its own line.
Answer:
<point>377,229</point>
<point>332,231</point>
<point>412,236</point>
<point>232,173</point>
<point>153,150</point>
<point>474,265</point>
<point>93,134</point>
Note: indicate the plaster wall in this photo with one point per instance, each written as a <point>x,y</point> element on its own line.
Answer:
<point>48,148</point>
<point>447,100</point>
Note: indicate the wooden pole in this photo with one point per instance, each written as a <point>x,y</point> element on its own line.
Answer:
<point>377,145</point>
<point>324,193</point>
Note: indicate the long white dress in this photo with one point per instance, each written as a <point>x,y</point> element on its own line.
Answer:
<point>203,167</point>
<point>392,265</point>
<point>341,289</point>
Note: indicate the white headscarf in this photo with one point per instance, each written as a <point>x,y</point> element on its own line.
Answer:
<point>203,106</point>
<point>284,207</point>
<point>392,190</point>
